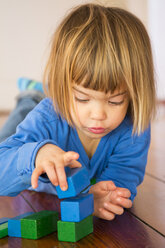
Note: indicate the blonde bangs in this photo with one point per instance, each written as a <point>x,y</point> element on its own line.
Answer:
<point>94,64</point>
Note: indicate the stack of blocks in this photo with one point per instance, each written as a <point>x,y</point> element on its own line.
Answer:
<point>76,210</point>
<point>76,214</point>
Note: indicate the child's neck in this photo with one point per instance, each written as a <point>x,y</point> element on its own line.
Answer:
<point>89,144</point>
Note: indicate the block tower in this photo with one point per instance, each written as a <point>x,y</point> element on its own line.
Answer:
<point>76,208</point>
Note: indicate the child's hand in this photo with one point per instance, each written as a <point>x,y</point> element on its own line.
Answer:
<point>51,160</point>
<point>109,200</point>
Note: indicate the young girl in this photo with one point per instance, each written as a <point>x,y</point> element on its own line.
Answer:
<point>101,97</point>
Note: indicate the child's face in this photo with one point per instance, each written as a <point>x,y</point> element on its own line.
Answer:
<point>98,113</point>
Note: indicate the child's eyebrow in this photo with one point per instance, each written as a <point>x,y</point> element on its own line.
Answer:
<point>118,94</point>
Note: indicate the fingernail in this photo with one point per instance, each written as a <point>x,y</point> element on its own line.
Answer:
<point>64,187</point>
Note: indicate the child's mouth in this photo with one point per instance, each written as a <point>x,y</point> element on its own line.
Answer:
<point>97,130</point>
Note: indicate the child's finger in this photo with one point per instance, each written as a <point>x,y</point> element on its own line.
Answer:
<point>125,203</point>
<point>34,178</point>
<point>119,200</point>
<point>51,173</point>
<point>123,192</point>
<point>61,177</point>
<point>105,214</point>
<point>113,208</point>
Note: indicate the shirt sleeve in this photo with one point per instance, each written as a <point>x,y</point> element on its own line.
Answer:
<point>126,166</point>
<point>18,152</point>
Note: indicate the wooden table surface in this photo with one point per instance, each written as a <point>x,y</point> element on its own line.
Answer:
<point>141,226</point>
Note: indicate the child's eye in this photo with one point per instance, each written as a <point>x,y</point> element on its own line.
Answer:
<point>81,100</point>
<point>116,103</point>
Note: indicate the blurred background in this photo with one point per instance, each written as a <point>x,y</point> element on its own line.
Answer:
<point>26,27</point>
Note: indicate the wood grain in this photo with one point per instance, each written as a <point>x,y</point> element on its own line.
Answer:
<point>156,164</point>
<point>13,206</point>
<point>149,205</point>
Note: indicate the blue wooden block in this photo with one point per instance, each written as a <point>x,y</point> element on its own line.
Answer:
<point>14,225</point>
<point>3,220</point>
<point>78,179</point>
<point>77,208</point>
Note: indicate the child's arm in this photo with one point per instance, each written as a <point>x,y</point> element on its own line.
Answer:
<point>18,152</point>
<point>126,166</point>
<point>109,200</point>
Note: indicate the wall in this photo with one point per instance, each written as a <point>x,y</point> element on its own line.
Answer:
<point>26,27</point>
<point>156,23</point>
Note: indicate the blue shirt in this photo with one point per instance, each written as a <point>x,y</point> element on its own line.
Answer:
<point>120,156</point>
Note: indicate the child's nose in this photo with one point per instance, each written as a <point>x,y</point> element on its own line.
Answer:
<point>98,113</point>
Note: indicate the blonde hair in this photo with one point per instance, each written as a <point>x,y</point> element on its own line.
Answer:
<point>102,48</point>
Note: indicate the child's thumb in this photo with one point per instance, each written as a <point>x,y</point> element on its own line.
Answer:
<point>102,188</point>
<point>70,156</point>
<point>108,185</point>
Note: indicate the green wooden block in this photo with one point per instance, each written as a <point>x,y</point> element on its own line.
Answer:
<point>3,230</point>
<point>39,224</point>
<point>93,181</point>
<point>74,231</point>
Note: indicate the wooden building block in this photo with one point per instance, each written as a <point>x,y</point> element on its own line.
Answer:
<point>93,181</point>
<point>78,179</point>
<point>3,220</point>
<point>74,231</point>
<point>3,230</point>
<point>77,208</point>
<point>39,224</point>
<point>14,225</point>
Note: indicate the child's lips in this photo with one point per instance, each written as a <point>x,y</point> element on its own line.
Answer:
<point>96,130</point>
